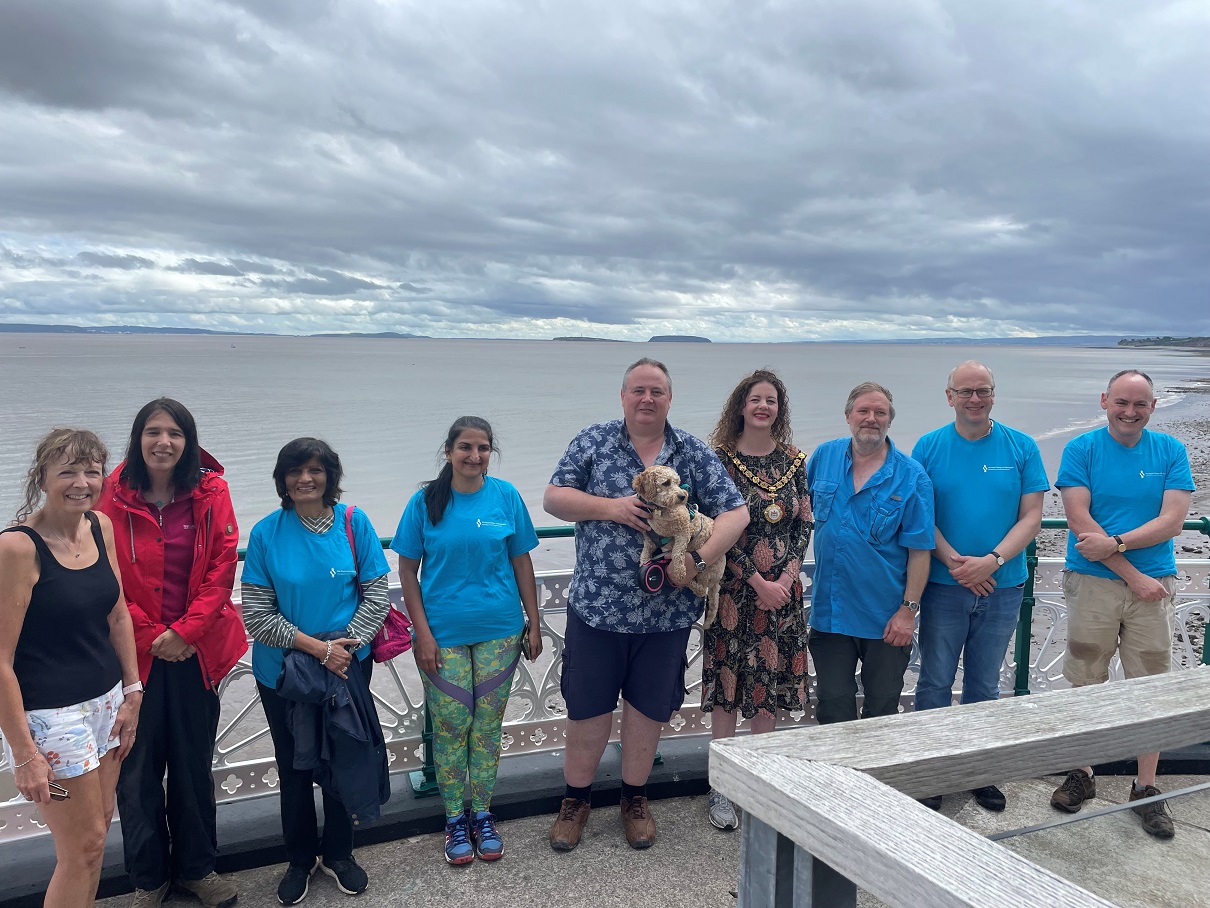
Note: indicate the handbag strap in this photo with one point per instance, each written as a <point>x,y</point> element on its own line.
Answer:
<point>349,509</point>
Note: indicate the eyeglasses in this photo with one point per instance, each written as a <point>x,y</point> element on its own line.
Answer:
<point>968,393</point>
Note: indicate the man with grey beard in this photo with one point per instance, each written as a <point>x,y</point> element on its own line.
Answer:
<point>873,510</point>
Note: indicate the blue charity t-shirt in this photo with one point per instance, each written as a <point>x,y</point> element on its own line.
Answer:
<point>1127,487</point>
<point>466,571</point>
<point>312,575</point>
<point>862,538</point>
<point>977,489</point>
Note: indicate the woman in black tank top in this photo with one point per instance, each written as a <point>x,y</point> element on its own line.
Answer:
<point>66,639</point>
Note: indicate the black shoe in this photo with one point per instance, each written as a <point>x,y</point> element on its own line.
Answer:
<point>989,797</point>
<point>294,885</point>
<point>350,878</point>
<point>932,802</point>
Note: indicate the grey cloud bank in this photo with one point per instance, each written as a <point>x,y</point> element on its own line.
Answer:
<point>743,171</point>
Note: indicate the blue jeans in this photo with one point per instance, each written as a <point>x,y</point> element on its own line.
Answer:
<point>956,622</point>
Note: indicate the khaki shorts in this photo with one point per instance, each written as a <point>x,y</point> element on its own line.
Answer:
<point>1103,616</point>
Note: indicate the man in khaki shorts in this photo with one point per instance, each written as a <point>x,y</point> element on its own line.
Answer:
<point>1126,492</point>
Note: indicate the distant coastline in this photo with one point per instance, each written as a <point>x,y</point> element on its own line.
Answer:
<point>1066,340</point>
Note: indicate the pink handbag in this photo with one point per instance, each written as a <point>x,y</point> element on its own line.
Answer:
<point>395,635</point>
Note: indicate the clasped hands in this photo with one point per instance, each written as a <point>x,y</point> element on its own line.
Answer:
<point>974,572</point>
<point>171,647</point>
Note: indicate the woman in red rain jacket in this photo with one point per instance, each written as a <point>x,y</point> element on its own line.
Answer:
<point>176,543</point>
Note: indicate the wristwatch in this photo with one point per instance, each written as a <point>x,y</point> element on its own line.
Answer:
<point>913,607</point>
<point>999,558</point>
<point>1121,545</point>
<point>697,559</point>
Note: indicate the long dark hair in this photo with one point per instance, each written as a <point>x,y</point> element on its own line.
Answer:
<point>437,491</point>
<point>188,470</point>
<point>731,421</point>
<point>298,452</point>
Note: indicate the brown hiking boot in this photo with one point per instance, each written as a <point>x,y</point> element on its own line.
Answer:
<point>212,890</point>
<point>569,824</point>
<point>638,822</point>
<point>1077,788</point>
<point>1155,816</point>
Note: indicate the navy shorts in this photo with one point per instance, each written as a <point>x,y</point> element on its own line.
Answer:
<point>648,670</point>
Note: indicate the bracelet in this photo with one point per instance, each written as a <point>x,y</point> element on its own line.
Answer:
<point>23,762</point>
<point>327,655</point>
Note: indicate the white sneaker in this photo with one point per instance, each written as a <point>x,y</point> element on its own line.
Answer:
<point>722,811</point>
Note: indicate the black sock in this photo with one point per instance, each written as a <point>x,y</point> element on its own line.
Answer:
<point>580,794</point>
<point>633,791</point>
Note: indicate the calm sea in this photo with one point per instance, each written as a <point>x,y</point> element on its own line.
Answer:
<point>385,404</point>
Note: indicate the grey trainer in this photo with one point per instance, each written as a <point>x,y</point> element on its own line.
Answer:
<point>212,890</point>
<point>149,898</point>
<point>722,811</point>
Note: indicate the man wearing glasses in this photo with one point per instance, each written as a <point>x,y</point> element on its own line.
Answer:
<point>988,486</point>
<point>1126,492</point>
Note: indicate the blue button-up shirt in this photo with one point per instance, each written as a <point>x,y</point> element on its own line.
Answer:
<point>605,589</point>
<point>862,538</point>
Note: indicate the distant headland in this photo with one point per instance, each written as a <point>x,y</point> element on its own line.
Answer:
<point>1164,342</point>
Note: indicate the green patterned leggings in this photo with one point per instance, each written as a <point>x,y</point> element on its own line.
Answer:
<point>466,740</point>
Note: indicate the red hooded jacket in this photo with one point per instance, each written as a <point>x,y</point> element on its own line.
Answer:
<point>211,623</point>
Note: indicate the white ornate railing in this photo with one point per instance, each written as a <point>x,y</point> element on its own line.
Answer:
<point>243,757</point>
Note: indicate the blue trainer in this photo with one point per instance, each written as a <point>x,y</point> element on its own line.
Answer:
<point>488,845</point>
<point>458,848</point>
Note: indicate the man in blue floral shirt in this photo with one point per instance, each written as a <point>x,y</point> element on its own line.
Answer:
<point>620,638</point>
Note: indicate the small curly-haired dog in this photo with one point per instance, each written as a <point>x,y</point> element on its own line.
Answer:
<point>659,488</point>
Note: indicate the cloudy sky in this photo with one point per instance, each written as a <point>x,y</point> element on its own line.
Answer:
<point>746,171</point>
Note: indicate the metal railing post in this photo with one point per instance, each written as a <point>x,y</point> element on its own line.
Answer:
<point>424,780</point>
<point>1025,622</point>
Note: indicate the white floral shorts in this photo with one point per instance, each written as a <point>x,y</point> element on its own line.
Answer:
<point>74,738</point>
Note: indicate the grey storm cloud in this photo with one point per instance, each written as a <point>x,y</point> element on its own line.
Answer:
<point>120,262</point>
<point>745,170</point>
<point>194,266</point>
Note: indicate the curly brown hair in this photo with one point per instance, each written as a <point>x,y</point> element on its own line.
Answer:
<point>78,445</point>
<point>731,420</point>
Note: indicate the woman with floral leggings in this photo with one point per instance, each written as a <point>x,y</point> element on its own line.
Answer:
<point>473,535</point>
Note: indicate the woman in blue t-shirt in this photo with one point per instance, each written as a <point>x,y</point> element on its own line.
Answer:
<point>474,536</point>
<point>300,591</point>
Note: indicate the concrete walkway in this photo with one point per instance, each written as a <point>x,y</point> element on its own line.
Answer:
<point>693,864</point>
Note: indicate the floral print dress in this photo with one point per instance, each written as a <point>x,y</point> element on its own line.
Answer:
<point>756,660</point>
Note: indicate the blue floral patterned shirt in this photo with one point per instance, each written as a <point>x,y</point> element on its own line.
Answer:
<point>605,590</point>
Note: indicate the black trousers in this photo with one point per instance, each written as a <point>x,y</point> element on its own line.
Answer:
<point>297,796</point>
<point>173,837</point>
<point>836,657</point>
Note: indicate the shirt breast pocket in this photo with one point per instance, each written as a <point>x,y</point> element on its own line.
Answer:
<point>822,495</point>
<point>885,521</point>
